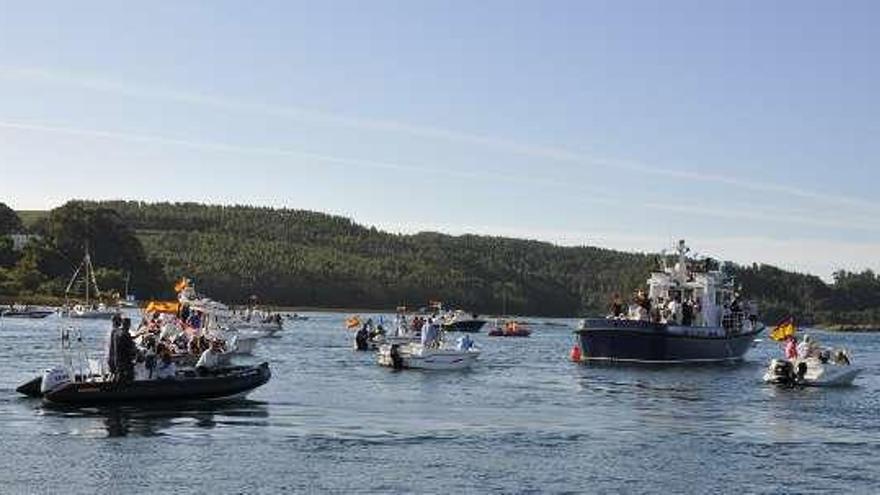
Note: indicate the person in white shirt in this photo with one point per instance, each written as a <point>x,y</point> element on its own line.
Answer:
<point>210,359</point>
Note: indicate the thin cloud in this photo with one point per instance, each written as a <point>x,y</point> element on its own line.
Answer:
<point>505,145</point>
<point>597,197</point>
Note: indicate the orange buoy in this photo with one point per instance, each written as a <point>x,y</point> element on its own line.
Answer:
<point>576,353</point>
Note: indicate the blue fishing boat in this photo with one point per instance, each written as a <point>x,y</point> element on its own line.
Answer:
<point>690,314</point>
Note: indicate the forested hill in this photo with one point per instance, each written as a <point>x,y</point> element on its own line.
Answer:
<point>295,257</point>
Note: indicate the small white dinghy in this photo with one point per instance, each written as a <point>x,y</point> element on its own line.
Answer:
<point>812,372</point>
<point>418,356</point>
<point>242,345</point>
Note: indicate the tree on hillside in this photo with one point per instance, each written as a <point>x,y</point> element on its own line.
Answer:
<point>10,223</point>
<point>71,229</point>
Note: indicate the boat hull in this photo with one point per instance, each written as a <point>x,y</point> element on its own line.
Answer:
<point>468,326</point>
<point>224,385</point>
<point>817,374</point>
<point>645,342</point>
<point>428,359</point>
<point>98,315</point>
<point>503,333</point>
<point>27,314</point>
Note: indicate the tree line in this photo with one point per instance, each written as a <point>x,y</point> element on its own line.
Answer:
<point>304,258</point>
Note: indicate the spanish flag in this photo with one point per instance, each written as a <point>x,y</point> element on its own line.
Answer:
<point>181,284</point>
<point>170,307</point>
<point>786,328</point>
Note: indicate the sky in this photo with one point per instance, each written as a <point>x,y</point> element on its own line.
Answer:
<point>749,128</point>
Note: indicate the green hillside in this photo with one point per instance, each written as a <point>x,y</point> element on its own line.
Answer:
<point>295,257</point>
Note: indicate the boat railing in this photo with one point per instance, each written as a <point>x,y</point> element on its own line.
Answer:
<point>733,321</point>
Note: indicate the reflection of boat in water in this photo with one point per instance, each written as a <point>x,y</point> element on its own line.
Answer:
<point>151,419</point>
<point>703,321</point>
<point>811,372</point>
<point>510,328</point>
<point>228,383</point>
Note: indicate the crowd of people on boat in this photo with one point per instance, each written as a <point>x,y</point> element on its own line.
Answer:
<point>427,329</point>
<point>676,310</point>
<point>150,352</point>
<point>809,348</point>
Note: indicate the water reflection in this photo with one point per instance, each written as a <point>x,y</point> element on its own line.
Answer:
<point>156,419</point>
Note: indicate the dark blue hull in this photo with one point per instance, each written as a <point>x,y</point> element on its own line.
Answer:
<point>644,342</point>
<point>470,326</point>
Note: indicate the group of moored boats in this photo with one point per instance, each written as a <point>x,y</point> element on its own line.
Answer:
<point>691,313</point>
<point>181,350</point>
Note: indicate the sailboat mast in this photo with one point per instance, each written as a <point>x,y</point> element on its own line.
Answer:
<point>88,263</point>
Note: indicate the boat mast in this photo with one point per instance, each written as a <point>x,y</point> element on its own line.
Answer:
<point>88,263</point>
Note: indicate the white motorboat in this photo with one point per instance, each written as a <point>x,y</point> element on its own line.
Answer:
<point>812,372</point>
<point>256,323</point>
<point>242,345</point>
<point>256,329</point>
<point>418,356</point>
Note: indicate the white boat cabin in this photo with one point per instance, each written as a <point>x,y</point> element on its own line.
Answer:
<point>699,284</point>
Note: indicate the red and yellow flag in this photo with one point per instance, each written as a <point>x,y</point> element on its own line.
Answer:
<point>170,307</point>
<point>786,328</point>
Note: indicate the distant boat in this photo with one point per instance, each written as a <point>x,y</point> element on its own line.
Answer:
<point>718,327</point>
<point>417,356</point>
<point>27,313</point>
<point>461,321</point>
<point>510,328</point>
<point>89,309</point>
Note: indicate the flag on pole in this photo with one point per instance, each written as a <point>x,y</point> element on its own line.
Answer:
<point>786,328</point>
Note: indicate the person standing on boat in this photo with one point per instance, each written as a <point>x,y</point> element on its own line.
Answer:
<point>687,312</point>
<point>808,348</point>
<point>791,347</point>
<point>430,331</point>
<point>644,305</point>
<point>617,309</point>
<point>697,308</point>
<point>111,344</point>
<point>361,338</point>
<point>673,308</point>
<point>123,352</point>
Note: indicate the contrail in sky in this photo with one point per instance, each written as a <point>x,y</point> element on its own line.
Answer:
<point>522,149</point>
<point>582,195</point>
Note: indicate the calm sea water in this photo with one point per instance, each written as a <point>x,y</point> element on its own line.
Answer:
<point>524,420</point>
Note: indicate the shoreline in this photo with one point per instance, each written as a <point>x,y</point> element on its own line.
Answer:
<point>849,328</point>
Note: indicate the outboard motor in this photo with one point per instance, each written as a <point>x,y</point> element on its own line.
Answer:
<point>361,340</point>
<point>54,378</point>
<point>396,360</point>
<point>801,372</point>
<point>781,371</point>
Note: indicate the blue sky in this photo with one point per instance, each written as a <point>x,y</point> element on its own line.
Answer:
<point>749,128</point>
